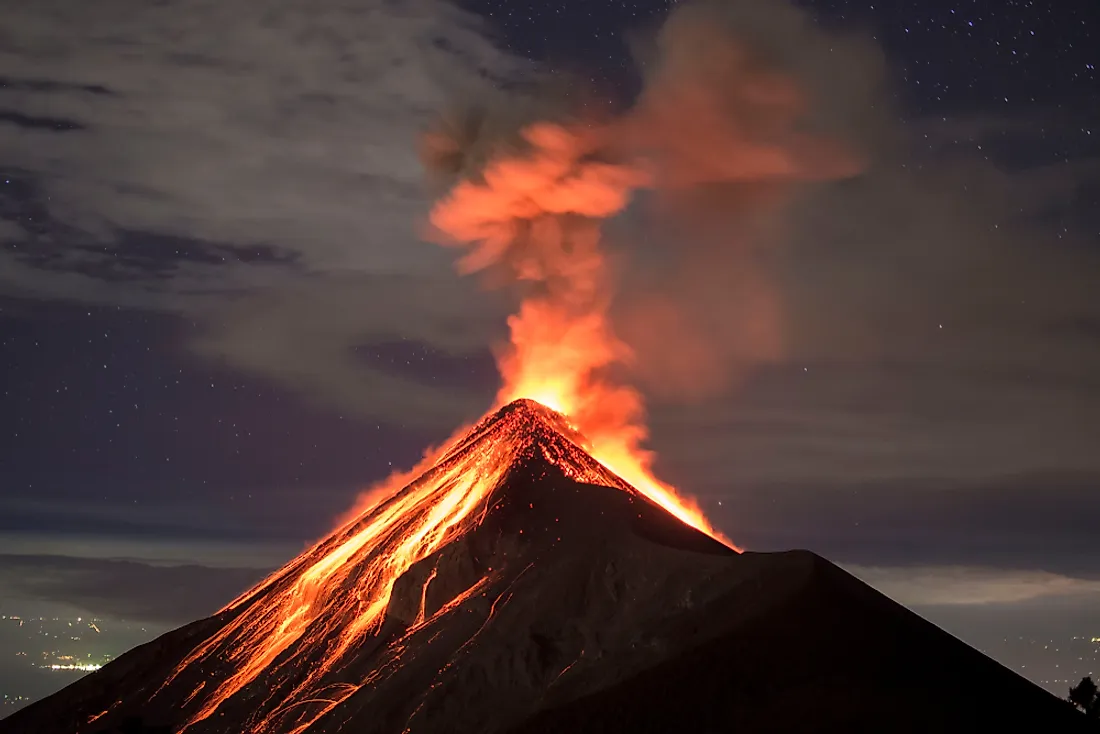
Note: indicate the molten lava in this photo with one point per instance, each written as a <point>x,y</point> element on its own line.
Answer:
<point>537,218</point>
<point>334,596</point>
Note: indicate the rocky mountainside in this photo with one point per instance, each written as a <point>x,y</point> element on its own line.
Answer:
<point>557,599</point>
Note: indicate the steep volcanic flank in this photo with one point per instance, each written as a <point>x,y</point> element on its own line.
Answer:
<point>520,586</point>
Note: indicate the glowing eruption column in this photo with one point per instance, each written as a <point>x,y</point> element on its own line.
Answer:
<point>535,216</point>
<point>711,112</point>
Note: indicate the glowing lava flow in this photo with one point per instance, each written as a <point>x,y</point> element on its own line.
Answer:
<point>615,444</point>
<point>536,217</point>
<point>312,612</point>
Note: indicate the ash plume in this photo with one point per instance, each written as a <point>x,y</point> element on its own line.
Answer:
<point>726,127</point>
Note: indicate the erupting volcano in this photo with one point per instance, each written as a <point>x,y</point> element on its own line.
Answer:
<point>518,585</point>
<point>336,595</point>
<point>532,574</point>
<point>285,646</point>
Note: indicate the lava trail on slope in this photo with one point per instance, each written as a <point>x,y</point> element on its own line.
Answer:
<point>327,626</point>
<point>519,587</point>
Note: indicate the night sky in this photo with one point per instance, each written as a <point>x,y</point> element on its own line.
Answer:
<point>219,323</point>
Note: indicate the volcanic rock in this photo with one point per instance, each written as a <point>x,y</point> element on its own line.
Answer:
<point>565,602</point>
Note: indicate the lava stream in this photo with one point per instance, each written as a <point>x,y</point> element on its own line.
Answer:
<point>336,593</point>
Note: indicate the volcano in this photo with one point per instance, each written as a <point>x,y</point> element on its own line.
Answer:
<point>518,586</point>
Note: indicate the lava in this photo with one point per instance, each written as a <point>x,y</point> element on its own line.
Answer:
<point>334,596</point>
<point>535,216</point>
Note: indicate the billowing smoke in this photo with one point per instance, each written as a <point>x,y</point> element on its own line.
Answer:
<point>719,138</point>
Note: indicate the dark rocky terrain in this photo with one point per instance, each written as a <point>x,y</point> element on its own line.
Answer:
<point>575,607</point>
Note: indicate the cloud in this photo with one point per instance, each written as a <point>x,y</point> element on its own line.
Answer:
<point>855,421</point>
<point>960,585</point>
<point>121,589</point>
<point>281,128</point>
<point>290,123</point>
<point>1036,522</point>
<point>167,532</point>
<point>304,335</point>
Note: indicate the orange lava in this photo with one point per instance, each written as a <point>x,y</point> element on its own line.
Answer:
<point>536,217</point>
<point>295,628</point>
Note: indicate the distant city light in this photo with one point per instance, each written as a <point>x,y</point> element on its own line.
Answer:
<point>87,667</point>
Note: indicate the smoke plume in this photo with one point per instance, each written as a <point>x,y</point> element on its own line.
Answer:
<point>717,140</point>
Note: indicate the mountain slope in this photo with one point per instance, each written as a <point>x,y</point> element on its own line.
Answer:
<point>834,656</point>
<point>539,593</point>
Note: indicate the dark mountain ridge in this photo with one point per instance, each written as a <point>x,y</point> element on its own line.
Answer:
<point>564,602</point>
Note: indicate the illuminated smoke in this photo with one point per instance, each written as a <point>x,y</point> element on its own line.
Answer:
<point>712,114</point>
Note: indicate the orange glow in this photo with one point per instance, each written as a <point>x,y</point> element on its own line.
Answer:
<point>553,361</point>
<point>535,217</point>
<point>531,216</point>
<point>313,612</point>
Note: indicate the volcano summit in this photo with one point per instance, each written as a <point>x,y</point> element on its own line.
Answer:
<point>519,586</point>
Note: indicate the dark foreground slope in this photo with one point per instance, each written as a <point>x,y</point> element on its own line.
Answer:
<point>576,607</point>
<point>834,656</point>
